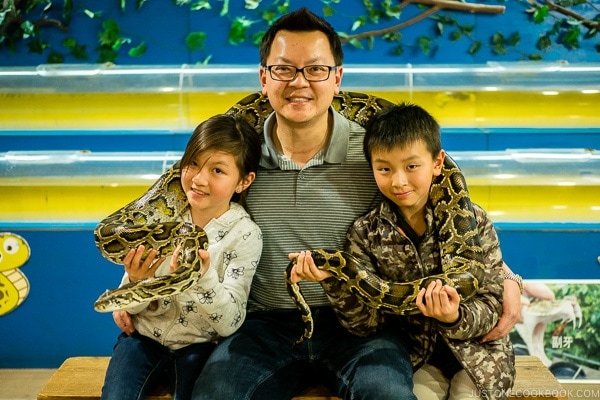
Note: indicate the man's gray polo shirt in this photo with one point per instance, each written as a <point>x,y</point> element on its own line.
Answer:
<point>307,208</point>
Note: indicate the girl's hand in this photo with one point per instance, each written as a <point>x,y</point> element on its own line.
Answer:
<point>439,301</point>
<point>124,321</point>
<point>203,254</point>
<point>306,268</point>
<point>138,268</point>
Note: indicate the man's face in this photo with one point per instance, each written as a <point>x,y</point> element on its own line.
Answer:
<point>300,101</point>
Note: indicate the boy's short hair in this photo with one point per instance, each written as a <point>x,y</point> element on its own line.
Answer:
<point>399,126</point>
<point>302,20</point>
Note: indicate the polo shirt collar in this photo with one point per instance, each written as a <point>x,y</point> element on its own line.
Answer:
<point>335,153</point>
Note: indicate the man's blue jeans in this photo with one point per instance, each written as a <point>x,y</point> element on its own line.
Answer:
<point>260,361</point>
<point>138,363</point>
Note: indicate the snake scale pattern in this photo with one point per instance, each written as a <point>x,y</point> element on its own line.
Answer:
<point>147,221</point>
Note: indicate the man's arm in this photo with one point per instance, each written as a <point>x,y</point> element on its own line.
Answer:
<point>511,308</point>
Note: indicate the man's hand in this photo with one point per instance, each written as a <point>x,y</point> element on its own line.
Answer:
<point>511,312</point>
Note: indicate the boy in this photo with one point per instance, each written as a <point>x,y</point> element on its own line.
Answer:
<point>398,240</point>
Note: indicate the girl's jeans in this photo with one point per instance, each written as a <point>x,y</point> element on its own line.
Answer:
<point>138,363</point>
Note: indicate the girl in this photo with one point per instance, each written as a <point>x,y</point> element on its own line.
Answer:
<point>176,334</point>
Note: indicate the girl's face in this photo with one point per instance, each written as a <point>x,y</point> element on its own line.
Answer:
<point>404,175</point>
<point>210,182</point>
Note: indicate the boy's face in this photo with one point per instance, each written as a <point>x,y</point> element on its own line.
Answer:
<point>404,175</point>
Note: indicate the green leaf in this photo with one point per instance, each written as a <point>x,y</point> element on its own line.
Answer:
<point>201,5</point>
<point>205,61</point>
<point>556,27</point>
<point>28,29</point>
<point>238,29</point>
<point>356,43</point>
<point>571,37</point>
<point>591,33</point>
<point>371,43</point>
<point>110,34</point>
<point>70,43</point>
<point>424,44</point>
<point>358,23</point>
<point>514,39</point>
<point>37,46</point>
<point>499,48</point>
<point>3,14</point>
<point>455,35</point>
<point>138,50</point>
<point>328,11</point>
<point>55,58</point>
<point>440,28</point>
<point>225,8</point>
<point>543,42</point>
<point>540,14</point>
<point>474,48</point>
<point>195,41</point>
<point>67,7</point>
<point>106,54</point>
<point>467,28</point>
<point>251,4</point>
<point>398,50</point>
<point>498,38</point>
<point>92,14</point>
<point>257,38</point>
<point>392,36</point>
<point>120,42</point>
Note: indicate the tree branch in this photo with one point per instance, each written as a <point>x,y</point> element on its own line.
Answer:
<point>460,6</point>
<point>569,13</point>
<point>437,5</point>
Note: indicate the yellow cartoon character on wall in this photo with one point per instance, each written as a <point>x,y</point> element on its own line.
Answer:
<point>14,286</point>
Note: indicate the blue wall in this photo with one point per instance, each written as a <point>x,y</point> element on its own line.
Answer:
<point>163,26</point>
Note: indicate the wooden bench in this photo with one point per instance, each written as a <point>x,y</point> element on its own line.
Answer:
<point>81,378</point>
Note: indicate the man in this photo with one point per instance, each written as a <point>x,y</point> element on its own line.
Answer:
<point>313,183</point>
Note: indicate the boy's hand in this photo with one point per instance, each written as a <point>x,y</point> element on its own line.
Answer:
<point>306,268</point>
<point>439,301</point>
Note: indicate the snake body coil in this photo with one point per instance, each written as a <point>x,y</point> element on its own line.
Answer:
<point>149,221</point>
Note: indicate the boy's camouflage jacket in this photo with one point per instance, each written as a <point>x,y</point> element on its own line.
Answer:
<point>378,241</point>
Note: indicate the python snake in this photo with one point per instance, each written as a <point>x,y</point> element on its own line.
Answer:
<point>147,220</point>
